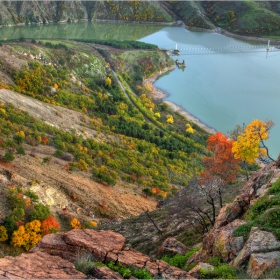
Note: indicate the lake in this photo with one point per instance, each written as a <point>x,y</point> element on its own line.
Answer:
<point>221,87</point>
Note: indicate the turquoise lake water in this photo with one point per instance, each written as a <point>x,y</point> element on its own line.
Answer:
<point>221,87</point>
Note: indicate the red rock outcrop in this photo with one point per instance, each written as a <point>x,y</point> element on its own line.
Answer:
<point>38,265</point>
<point>172,246</point>
<point>103,272</point>
<point>105,246</point>
<point>67,245</point>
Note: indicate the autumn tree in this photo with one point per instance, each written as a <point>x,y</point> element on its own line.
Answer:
<point>250,145</point>
<point>50,225</point>
<point>220,168</point>
<point>3,234</point>
<point>27,236</point>
<point>75,223</point>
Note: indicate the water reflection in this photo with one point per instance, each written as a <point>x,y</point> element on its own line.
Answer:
<point>81,30</point>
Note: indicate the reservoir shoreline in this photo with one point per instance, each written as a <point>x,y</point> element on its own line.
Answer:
<point>159,94</point>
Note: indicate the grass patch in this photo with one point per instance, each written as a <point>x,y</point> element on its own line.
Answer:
<point>179,260</point>
<point>265,214</point>
<point>84,262</point>
<point>223,271</point>
<point>127,272</point>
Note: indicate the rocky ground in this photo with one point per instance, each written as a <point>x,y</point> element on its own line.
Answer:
<point>258,253</point>
<point>54,256</point>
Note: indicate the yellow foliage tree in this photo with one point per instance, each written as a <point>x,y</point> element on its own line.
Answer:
<point>157,114</point>
<point>3,234</point>
<point>94,223</point>
<point>75,223</point>
<point>250,143</point>
<point>21,133</point>
<point>189,128</point>
<point>27,236</point>
<point>108,82</point>
<point>169,119</point>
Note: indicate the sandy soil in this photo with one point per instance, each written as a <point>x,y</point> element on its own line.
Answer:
<point>56,187</point>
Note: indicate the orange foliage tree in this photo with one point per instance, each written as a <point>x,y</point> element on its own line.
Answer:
<point>222,166</point>
<point>50,225</point>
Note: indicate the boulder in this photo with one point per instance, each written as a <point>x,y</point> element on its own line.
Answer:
<point>105,246</point>
<point>225,244</point>
<point>100,243</point>
<point>251,189</point>
<point>166,271</point>
<point>54,244</point>
<point>259,241</point>
<point>104,272</point>
<point>196,271</point>
<point>132,257</point>
<point>38,265</point>
<point>128,257</point>
<point>199,256</point>
<point>172,246</point>
<point>67,245</point>
<point>221,243</point>
<point>262,262</point>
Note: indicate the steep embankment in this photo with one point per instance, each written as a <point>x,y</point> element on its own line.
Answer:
<point>246,232</point>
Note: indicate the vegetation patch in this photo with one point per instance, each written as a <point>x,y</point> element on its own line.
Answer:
<point>179,260</point>
<point>264,213</point>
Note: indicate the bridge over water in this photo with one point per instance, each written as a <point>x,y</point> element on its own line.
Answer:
<point>223,49</point>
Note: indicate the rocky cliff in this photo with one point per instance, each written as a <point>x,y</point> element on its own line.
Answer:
<point>245,235</point>
<point>246,230</point>
<point>54,256</point>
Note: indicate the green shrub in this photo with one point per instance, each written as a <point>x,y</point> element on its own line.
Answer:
<point>17,214</point>
<point>141,274</point>
<point>244,230</point>
<point>34,197</point>
<point>40,212</point>
<point>271,218</point>
<point>20,150</point>
<point>216,261</point>
<point>223,271</point>
<point>15,199</point>
<point>179,260</point>
<point>125,272</point>
<point>19,139</point>
<point>258,208</point>
<point>10,225</point>
<point>84,263</point>
<point>275,188</point>
<point>8,157</point>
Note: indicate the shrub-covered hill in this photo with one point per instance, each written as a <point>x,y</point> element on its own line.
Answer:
<point>254,18</point>
<point>91,124</point>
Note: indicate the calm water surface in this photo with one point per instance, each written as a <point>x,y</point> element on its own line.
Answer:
<point>223,87</point>
<point>219,87</point>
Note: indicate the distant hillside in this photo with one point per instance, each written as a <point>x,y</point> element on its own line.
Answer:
<point>254,18</point>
